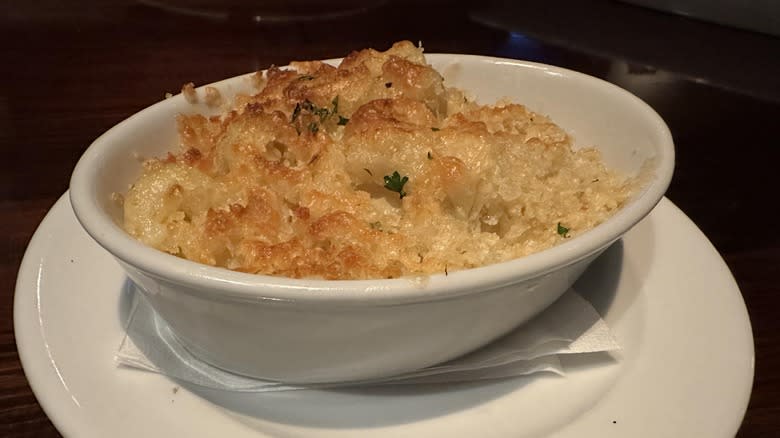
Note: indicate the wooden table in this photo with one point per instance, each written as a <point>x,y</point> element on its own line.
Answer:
<point>68,74</point>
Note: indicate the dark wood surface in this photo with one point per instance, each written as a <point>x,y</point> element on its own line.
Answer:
<point>69,73</point>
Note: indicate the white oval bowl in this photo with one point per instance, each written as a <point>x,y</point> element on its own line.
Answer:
<point>304,331</point>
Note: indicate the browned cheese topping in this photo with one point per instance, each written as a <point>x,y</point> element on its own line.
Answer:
<point>372,169</point>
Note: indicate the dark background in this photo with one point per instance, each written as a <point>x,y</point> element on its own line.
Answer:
<point>71,70</point>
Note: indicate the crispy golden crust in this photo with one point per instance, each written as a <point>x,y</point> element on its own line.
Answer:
<point>291,181</point>
<point>188,90</point>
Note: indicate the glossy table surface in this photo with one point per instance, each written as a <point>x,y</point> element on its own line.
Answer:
<point>68,74</point>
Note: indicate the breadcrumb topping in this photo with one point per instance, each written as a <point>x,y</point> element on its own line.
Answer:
<point>372,169</point>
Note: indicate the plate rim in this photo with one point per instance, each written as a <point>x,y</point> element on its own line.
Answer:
<point>41,371</point>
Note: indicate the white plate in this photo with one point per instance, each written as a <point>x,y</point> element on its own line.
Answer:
<point>686,368</point>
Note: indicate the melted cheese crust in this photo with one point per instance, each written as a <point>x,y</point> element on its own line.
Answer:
<point>290,181</point>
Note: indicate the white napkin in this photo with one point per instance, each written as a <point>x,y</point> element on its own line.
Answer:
<point>570,326</point>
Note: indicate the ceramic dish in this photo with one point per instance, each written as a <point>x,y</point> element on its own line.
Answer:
<point>303,331</point>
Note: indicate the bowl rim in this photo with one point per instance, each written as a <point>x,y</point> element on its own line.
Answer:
<point>217,282</point>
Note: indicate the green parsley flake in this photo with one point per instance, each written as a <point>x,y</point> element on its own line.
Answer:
<point>563,231</point>
<point>296,112</point>
<point>395,183</point>
<point>323,113</point>
<point>335,103</point>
